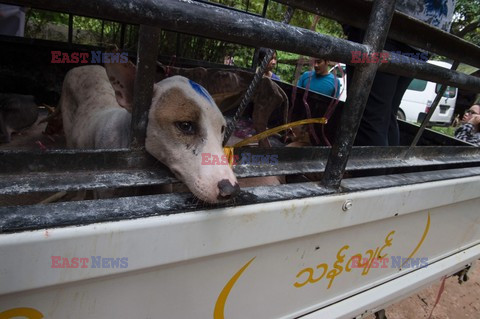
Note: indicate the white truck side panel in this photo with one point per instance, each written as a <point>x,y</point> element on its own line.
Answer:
<point>275,260</point>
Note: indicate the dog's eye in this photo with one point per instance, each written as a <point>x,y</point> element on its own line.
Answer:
<point>223,129</point>
<point>186,127</point>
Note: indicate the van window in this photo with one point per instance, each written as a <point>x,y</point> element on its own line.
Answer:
<point>450,92</point>
<point>417,85</point>
<point>336,71</point>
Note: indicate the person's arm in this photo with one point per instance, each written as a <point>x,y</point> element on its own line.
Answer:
<point>339,88</point>
<point>275,77</point>
<point>301,80</point>
<point>466,133</point>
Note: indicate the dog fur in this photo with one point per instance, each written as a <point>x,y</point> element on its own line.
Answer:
<point>16,112</point>
<point>227,88</point>
<point>183,123</point>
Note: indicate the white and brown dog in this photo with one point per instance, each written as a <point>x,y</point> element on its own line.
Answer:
<point>183,123</point>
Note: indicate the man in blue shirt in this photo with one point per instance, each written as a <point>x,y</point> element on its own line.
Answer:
<point>320,79</point>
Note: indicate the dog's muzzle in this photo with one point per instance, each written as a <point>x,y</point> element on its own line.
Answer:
<point>227,190</point>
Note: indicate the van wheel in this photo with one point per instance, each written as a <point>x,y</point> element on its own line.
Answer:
<point>401,115</point>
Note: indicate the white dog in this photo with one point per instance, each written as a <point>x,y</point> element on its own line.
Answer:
<point>183,123</point>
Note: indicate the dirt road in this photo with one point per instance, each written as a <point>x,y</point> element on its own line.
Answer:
<point>456,302</point>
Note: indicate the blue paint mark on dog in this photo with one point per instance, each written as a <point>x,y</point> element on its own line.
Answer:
<point>200,90</point>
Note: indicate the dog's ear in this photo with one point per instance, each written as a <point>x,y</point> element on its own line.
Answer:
<point>266,99</point>
<point>122,78</point>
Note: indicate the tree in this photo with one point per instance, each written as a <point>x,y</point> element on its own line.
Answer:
<point>466,22</point>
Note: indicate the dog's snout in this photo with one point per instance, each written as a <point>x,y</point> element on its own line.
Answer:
<point>227,190</point>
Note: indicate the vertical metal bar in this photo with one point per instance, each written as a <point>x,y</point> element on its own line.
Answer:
<point>432,109</point>
<point>177,45</point>
<point>144,80</point>
<point>70,28</point>
<point>102,33</point>
<point>265,6</point>
<point>122,35</point>
<point>375,37</point>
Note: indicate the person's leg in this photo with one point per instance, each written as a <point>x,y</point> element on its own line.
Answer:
<point>374,126</point>
<point>393,131</point>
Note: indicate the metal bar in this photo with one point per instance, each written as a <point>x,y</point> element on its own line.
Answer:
<point>177,44</point>
<point>24,162</point>
<point>403,28</point>
<point>74,181</point>
<point>432,109</point>
<point>121,169</point>
<point>70,28</point>
<point>144,80</point>
<point>102,33</point>
<point>264,10</point>
<point>413,68</point>
<point>375,37</point>
<point>202,19</point>
<point>122,35</point>
<point>23,218</point>
<point>220,5</point>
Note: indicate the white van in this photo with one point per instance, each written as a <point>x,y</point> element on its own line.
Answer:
<point>343,80</point>
<point>419,96</point>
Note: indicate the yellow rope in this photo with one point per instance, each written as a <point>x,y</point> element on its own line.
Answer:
<point>229,150</point>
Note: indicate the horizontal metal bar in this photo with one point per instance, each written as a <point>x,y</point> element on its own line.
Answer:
<point>404,29</point>
<point>74,181</point>
<point>210,21</point>
<point>98,161</point>
<point>22,162</point>
<point>23,218</point>
<point>123,169</point>
<point>413,68</point>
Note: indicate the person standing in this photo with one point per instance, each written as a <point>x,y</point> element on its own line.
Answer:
<point>320,79</point>
<point>379,125</point>
<point>262,52</point>
<point>469,131</point>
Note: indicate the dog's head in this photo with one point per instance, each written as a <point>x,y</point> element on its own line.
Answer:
<point>185,132</point>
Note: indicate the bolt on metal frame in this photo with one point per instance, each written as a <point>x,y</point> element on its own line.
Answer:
<point>203,19</point>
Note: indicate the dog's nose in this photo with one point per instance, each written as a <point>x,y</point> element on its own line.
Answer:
<point>227,190</point>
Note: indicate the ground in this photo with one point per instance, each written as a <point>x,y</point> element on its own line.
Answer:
<point>456,302</point>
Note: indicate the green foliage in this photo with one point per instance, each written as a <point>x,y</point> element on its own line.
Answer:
<point>42,17</point>
<point>54,26</point>
<point>39,21</point>
<point>466,22</point>
<point>252,6</point>
<point>449,130</point>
